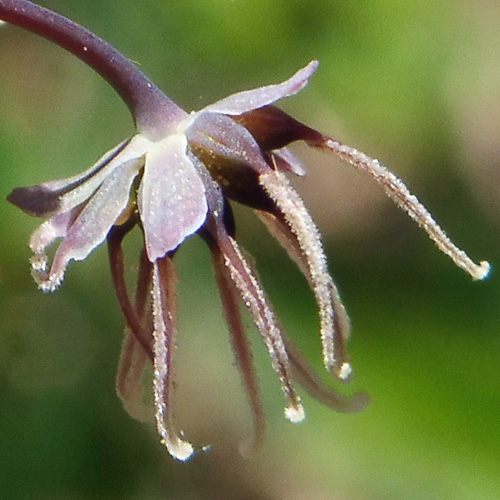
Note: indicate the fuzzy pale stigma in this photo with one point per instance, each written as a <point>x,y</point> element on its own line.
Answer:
<point>401,195</point>
<point>254,298</point>
<point>164,346</point>
<point>333,318</point>
<point>295,415</point>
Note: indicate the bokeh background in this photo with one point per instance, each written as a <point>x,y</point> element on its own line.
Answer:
<point>415,84</point>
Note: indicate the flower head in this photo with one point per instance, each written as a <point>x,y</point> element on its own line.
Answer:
<point>175,178</point>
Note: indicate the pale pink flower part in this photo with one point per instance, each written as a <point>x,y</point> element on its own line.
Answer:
<point>176,177</point>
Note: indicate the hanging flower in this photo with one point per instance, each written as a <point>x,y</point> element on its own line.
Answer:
<point>174,179</point>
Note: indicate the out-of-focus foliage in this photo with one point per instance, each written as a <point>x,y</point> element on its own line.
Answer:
<point>416,84</point>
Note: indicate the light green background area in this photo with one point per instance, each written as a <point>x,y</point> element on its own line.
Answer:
<point>415,84</point>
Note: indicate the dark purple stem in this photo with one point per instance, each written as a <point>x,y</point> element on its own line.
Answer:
<point>153,112</point>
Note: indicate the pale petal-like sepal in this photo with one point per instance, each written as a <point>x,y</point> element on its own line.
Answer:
<point>286,161</point>
<point>62,195</point>
<point>52,229</point>
<point>92,224</point>
<point>171,197</point>
<point>225,141</point>
<point>243,102</point>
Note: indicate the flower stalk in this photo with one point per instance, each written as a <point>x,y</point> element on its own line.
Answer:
<point>149,106</point>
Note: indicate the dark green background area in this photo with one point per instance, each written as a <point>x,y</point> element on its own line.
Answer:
<point>415,84</point>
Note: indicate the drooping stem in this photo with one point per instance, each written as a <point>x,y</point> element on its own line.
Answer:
<point>151,109</point>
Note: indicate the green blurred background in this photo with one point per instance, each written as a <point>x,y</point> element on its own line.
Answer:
<point>415,84</point>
